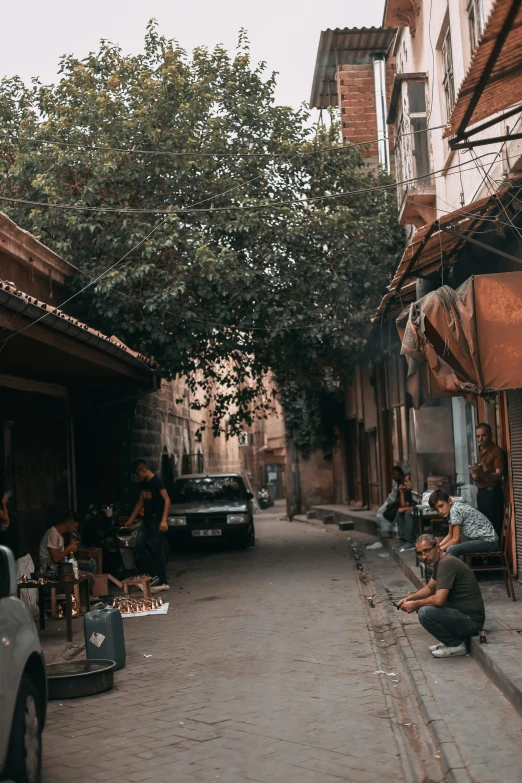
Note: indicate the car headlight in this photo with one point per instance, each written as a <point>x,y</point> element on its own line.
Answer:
<point>237,519</point>
<point>177,521</point>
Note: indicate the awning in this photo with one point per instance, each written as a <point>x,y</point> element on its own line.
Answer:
<point>350,45</point>
<point>494,79</point>
<point>467,341</point>
<point>433,247</point>
<point>43,343</point>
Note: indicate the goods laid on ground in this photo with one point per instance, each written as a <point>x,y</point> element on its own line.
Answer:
<point>136,607</point>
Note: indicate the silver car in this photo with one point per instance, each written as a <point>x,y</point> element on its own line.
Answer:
<point>23,683</point>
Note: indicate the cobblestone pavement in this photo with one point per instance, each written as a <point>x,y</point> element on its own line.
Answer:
<point>262,670</point>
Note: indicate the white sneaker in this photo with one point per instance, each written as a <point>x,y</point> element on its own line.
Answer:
<point>448,652</point>
<point>159,588</point>
<point>438,646</point>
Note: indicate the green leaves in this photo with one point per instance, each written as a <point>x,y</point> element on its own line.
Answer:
<point>221,298</point>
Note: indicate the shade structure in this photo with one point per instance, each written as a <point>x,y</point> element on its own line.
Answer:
<point>493,82</point>
<point>467,341</point>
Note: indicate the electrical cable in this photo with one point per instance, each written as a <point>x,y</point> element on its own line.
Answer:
<point>184,153</point>
<point>102,274</point>
<point>232,208</point>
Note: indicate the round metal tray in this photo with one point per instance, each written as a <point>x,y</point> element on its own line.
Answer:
<point>74,679</point>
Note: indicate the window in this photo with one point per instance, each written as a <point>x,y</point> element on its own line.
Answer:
<point>475,22</point>
<point>447,74</point>
<point>412,147</point>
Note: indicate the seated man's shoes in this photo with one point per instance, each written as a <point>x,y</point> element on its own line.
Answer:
<point>450,652</point>
<point>437,646</point>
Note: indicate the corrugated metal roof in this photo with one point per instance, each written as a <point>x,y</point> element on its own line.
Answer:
<point>346,46</point>
<point>430,246</point>
<point>504,86</point>
<point>23,304</point>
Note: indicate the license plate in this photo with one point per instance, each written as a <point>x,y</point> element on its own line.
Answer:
<point>209,532</point>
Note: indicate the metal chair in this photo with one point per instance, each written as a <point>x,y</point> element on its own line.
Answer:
<point>501,554</point>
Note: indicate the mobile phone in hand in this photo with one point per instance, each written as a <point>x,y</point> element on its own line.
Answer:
<point>395,604</point>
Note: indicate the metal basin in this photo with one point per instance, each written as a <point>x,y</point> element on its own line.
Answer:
<point>73,679</point>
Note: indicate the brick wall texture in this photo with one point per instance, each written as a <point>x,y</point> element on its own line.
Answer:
<point>356,90</point>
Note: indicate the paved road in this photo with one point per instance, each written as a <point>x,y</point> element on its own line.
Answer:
<point>263,671</point>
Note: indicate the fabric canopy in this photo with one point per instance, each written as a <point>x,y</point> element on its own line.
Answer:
<point>467,341</point>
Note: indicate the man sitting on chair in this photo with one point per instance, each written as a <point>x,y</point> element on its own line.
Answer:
<point>53,550</point>
<point>450,606</point>
<point>469,530</point>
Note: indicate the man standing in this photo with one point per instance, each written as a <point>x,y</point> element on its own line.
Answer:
<point>487,475</point>
<point>450,606</point>
<point>150,548</point>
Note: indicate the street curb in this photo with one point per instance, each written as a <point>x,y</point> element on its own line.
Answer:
<point>497,676</point>
<point>452,762</point>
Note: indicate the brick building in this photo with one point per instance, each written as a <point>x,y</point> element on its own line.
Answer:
<point>354,72</point>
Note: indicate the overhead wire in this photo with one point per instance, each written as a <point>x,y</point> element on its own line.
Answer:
<point>198,154</point>
<point>106,271</point>
<point>231,208</point>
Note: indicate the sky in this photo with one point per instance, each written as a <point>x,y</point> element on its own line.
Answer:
<point>285,33</point>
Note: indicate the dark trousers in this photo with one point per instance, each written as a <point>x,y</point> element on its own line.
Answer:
<point>490,502</point>
<point>150,553</point>
<point>449,626</point>
<point>406,526</point>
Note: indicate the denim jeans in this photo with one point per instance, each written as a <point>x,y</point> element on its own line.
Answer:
<point>150,553</point>
<point>406,526</point>
<point>479,545</point>
<point>449,626</point>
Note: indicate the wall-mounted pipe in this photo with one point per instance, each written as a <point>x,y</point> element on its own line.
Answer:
<point>379,75</point>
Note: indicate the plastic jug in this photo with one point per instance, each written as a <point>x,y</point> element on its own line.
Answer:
<point>104,637</point>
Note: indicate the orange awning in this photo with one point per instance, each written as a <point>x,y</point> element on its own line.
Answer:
<point>494,79</point>
<point>467,341</point>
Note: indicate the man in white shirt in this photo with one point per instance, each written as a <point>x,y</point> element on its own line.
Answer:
<point>53,549</point>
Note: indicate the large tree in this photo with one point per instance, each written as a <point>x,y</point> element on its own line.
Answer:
<point>253,269</point>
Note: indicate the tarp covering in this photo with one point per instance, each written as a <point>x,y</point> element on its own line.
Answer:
<point>467,341</point>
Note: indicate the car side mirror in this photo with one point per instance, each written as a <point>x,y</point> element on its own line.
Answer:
<point>7,573</point>
<point>249,496</point>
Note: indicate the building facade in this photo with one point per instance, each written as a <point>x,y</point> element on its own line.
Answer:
<point>454,82</point>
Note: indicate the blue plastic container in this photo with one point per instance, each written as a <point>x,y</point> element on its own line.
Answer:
<point>104,637</point>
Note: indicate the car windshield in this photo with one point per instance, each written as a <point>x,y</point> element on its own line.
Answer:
<point>209,488</point>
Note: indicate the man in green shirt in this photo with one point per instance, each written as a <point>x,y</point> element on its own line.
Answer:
<point>450,607</point>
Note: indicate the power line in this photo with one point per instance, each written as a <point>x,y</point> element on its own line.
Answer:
<point>102,274</point>
<point>196,154</point>
<point>232,208</point>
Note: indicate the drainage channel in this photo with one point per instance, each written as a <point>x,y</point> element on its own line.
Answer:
<point>419,754</point>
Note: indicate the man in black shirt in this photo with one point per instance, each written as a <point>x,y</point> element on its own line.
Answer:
<point>150,550</point>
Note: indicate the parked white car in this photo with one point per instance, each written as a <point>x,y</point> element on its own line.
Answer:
<point>23,683</point>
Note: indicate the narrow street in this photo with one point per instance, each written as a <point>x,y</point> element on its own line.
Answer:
<point>263,670</point>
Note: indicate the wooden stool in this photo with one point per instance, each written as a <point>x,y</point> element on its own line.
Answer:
<point>143,583</point>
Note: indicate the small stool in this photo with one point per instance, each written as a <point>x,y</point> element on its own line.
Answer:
<point>143,583</point>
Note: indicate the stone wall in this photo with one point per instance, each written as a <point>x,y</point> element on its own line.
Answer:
<point>165,426</point>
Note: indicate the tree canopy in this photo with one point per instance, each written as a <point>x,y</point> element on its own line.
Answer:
<point>247,273</point>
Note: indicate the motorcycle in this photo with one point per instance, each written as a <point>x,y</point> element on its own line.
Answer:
<point>263,498</point>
